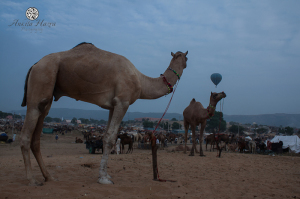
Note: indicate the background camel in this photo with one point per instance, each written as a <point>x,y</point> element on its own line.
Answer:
<point>89,74</point>
<point>125,139</point>
<point>196,114</point>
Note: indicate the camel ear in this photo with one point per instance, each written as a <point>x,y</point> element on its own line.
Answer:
<point>211,93</point>
<point>186,53</point>
<point>172,54</point>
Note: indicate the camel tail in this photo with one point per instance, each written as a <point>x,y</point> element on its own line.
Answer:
<point>25,88</point>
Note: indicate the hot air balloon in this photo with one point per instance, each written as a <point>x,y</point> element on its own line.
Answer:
<point>216,78</point>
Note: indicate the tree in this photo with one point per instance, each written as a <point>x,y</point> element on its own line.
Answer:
<point>147,124</point>
<point>261,130</point>
<point>235,129</point>
<point>84,121</point>
<point>48,119</point>
<point>289,130</point>
<point>175,125</point>
<point>56,119</point>
<point>173,119</point>
<point>165,125</point>
<point>214,122</point>
<point>281,130</point>
<point>74,120</point>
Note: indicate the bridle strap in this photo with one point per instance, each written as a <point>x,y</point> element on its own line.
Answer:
<point>174,72</point>
<point>170,87</point>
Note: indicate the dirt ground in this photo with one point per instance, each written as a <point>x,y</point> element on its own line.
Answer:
<point>234,175</point>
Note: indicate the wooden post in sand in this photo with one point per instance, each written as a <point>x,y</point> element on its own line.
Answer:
<point>154,156</point>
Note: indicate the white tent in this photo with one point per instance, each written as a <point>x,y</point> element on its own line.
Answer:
<point>293,142</point>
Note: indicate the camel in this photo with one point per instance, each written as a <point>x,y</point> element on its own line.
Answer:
<point>137,138</point>
<point>92,75</point>
<point>196,114</point>
<point>125,139</point>
<point>210,139</point>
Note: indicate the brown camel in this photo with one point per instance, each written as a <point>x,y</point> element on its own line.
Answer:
<point>125,139</point>
<point>210,139</point>
<point>89,74</point>
<point>196,114</point>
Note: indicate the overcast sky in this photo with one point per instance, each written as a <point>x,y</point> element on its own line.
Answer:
<point>254,45</point>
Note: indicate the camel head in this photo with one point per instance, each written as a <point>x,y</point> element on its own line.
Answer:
<point>179,60</point>
<point>216,97</point>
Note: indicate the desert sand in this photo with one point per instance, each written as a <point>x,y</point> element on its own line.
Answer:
<point>234,175</point>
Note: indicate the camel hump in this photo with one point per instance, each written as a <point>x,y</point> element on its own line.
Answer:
<point>193,100</point>
<point>82,44</point>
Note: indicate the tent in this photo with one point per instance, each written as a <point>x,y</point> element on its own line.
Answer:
<point>293,142</point>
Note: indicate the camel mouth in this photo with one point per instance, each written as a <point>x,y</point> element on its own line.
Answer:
<point>224,95</point>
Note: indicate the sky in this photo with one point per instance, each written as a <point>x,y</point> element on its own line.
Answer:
<point>254,45</point>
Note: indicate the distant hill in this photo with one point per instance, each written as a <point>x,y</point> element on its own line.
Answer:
<point>277,119</point>
<point>292,120</point>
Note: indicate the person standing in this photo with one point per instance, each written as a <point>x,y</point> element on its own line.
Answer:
<point>56,137</point>
<point>118,143</point>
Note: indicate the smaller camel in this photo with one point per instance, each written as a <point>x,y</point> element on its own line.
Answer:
<point>125,139</point>
<point>196,114</point>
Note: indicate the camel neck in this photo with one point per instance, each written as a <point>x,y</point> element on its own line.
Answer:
<point>153,88</point>
<point>210,110</point>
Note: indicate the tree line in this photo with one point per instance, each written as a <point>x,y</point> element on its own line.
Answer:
<point>4,115</point>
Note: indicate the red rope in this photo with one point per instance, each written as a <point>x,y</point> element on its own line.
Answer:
<point>175,86</point>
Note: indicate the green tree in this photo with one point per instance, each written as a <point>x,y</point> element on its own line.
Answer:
<point>84,121</point>
<point>48,119</point>
<point>214,122</point>
<point>281,130</point>
<point>261,130</point>
<point>289,130</point>
<point>235,129</point>
<point>74,120</point>
<point>148,124</point>
<point>56,119</point>
<point>175,125</point>
<point>173,119</point>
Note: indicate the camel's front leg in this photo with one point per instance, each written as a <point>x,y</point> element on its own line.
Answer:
<point>193,127</point>
<point>201,138</point>
<point>118,113</point>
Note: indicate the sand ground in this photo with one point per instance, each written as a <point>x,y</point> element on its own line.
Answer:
<point>234,175</point>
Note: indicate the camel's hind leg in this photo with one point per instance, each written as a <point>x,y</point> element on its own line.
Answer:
<point>25,142</point>
<point>30,138</point>
<point>38,98</point>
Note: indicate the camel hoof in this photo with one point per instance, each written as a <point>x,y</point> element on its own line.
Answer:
<point>50,179</point>
<point>108,176</point>
<point>105,180</point>
<point>35,183</point>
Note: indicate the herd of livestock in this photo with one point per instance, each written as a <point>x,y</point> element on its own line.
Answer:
<point>141,139</point>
